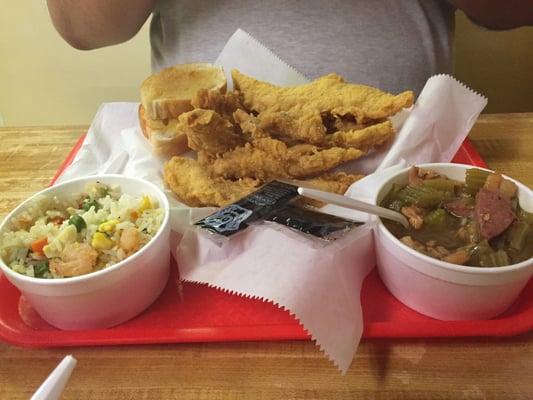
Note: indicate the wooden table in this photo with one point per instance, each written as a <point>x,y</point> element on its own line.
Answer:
<point>395,369</point>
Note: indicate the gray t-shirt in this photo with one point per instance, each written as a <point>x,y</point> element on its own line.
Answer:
<point>393,45</point>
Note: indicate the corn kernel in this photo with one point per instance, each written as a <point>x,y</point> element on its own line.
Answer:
<point>101,242</point>
<point>146,204</point>
<point>108,226</point>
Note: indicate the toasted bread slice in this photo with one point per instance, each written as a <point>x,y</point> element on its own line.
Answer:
<point>168,93</point>
<point>166,136</point>
<point>143,123</point>
<point>169,144</point>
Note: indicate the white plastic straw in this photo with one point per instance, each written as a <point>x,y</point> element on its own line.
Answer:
<point>54,385</point>
<point>353,204</point>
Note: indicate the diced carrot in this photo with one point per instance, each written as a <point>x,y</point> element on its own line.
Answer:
<point>134,215</point>
<point>37,246</point>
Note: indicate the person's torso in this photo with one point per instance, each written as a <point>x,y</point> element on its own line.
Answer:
<point>393,45</point>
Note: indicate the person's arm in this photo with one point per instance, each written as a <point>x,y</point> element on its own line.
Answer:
<point>497,14</point>
<point>89,24</point>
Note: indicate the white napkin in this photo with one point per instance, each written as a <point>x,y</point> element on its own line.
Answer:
<point>252,58</point>
<point>319,284</point>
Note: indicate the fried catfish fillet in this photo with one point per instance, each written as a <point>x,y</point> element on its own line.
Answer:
<point>334,182</point>
<point>326,94</point>
<point>364,139</point>
<point>208,131</point>
<point>267,158</point>
<point>249,124</point>
<point>335,123</point>
<point>282,125</point>
<point>193,184</point>
<point>224,104</point>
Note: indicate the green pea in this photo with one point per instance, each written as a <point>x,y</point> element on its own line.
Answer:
<point>88,203</point>
<point>40,269</point>
<point>78,222</point>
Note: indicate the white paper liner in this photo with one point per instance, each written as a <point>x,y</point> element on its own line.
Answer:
<point>319,284</point>
<point>261,63</point>
<point>432,132</point>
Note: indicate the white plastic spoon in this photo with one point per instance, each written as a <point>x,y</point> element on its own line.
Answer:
<point>357,205</point>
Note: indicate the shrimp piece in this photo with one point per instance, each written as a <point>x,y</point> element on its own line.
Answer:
<point>23,221</point>
<point>76,259</point>
<point>130,240</point>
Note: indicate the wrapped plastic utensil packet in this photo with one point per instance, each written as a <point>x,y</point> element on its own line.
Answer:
<point>275,202</point>
<point>253,208</point>
<point>321,288</point>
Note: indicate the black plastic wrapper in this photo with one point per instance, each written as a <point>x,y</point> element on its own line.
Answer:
<point>252,208</point>
<point>312,222</point>
<point>272,202</point>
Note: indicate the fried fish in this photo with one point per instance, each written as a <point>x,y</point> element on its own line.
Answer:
<point>327,94</point>
<point>208,131</point>
<point>267,158</point>
<point>193,184</point>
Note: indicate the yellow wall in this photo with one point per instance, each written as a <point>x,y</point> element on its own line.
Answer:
<point>43,81</point>
<point>498,64</point>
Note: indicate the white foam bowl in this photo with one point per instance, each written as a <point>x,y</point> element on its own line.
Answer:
<point>440,289</point>
<point>109,296</point>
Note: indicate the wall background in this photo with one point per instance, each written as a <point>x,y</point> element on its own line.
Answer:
<point>43,81</point>
<point>498,64</point>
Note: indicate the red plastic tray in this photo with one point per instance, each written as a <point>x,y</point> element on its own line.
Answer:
<point>204,314</point>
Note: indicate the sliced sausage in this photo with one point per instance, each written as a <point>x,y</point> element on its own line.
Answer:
<point>459,208</point>
<point>493,212</point>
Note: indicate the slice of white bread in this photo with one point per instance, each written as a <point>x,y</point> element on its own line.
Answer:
<point>166,136</point>
<point>168,93</point>
<point>169,144</point>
